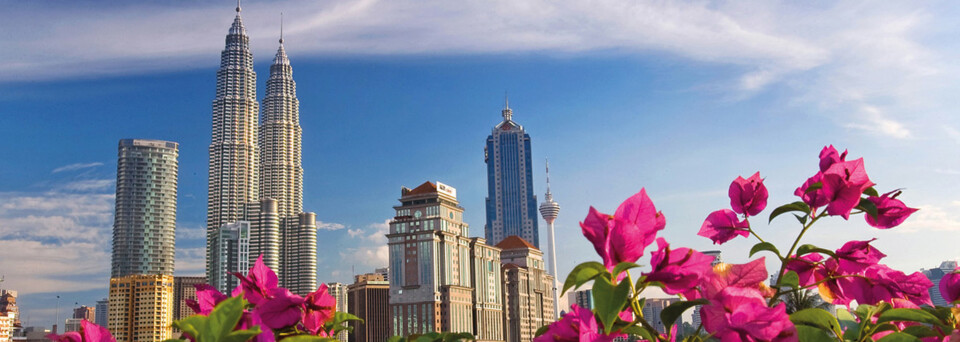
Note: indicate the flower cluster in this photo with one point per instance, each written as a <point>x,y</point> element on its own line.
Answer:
<point>735,302</point>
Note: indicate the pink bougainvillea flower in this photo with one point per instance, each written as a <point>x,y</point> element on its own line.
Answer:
<point>281,310</point>
<point>579,325</point>
<point>855,256</point>
<point>249,320</point>
<point>748,196</point>
<point>813,198</point>
<point>806,267</point>
<point>259,282</point>
<point>623,236</point>
<point>950,286</point>
<point>679,270</point>
<point>843,183</point>
<point>750,275</point>
<point>723,225</point>
<point>207,298</point>
<point>89,332</point>
<point>891,212</point>
<point>742,314</point>
<point>830,156</point>
<point>318,308</point>
<point>874,284</point>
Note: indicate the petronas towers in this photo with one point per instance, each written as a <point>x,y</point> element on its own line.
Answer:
<point>255,173</point>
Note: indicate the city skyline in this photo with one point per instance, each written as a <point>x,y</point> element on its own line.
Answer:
<point>612,117</point>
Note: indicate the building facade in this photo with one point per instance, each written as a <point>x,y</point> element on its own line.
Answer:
<point>183,289</point>
<point>8,305</point>
<point>85,312</point>
<point>582,298</point>
<point>441,279</point>
<point>528,290</point>
<point>230,253</point>
<point>141,307</point>
<point>935,275</point>
<point>369,298</point>
<point>102,310</point>
<point>146,208</point>
<point>652,309</point>
<point>511,204</point>
<point>339,293</point>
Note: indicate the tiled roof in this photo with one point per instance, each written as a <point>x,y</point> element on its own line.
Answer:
<point>514,242</point>
<point>425,188</point>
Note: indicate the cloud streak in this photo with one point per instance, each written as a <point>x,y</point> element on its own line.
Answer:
<point>77,166</point>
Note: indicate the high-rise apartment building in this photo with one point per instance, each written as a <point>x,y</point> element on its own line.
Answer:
<point>6,326</point>
<point>339,293</point>
<point>935,275</point>
<point>528,289</point>
<point>102,311</point>
<point>8,305</point>
<point>582,298</point>
<point>511,204</point>
<point>652,309</point>
<point>146,207</point>
<point>441,279</point>
<point>183,289</point>
<point>255,166</point>
<point>696,310</point>
<point>141,307</point>
<point>230,253</point>
<point>369,298</point>
<point>85,312</point>
<point>141,283</point>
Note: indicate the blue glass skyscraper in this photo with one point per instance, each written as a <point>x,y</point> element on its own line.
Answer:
<point>511,205</point>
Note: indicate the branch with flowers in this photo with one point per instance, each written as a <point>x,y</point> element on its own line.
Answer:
<point>882,304</point>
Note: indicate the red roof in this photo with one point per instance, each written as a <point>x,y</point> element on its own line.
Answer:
<point>514,242</point>
<point>425,188</point>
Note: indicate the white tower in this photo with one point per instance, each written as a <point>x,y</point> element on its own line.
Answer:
<point>549,210</point>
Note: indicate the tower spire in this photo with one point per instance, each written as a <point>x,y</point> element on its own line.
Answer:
<point>549,196</point>
<point>506,112</point>
<point>281,27</point>
<point>238,7</point>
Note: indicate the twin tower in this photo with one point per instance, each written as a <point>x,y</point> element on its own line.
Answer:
<point>255,185</point>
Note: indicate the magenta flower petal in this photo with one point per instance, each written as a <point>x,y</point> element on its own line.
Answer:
<point>251,319</point>
<point>95,333</point>
<point>950,286</point>
<point>830,156</point>
<point>855,256</point>
<point>259,282</point>
<point>843,183</point>
<point>319,307</point>
<point>815,198</point>
<point>579,325</point>
<point>679,270</point>
<point>806,267</point>
<point>282,310</point>
<point>723,225</point>
<point>748,196</point>
<point>623,236</point>
<point>70,336</point>
<point>891,212</point>
<point>207,298</point>
<point>741,314</point>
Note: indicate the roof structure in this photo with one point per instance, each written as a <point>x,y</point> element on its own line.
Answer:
<point>425,188</point>
<point>515,242</point>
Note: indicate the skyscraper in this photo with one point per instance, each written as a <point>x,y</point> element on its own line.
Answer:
<point>511,204</point>
<point>141,307</point>
<point>368,298</point>
<point>183,289</point>
<point>549,210</point>
<point>339,292</point>
<point>441,279</point>
<point>234,161</point>
<point>102,310</point>
<point>230,253</point>
<point>146,208</point>
<point>935,275</point>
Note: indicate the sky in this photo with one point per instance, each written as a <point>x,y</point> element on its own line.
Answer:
<point>679,98</point>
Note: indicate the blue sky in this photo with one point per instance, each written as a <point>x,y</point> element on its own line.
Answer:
<point>679,98</point>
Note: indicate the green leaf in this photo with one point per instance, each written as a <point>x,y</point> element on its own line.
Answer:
<point>670,314</point>
<point>764,246</point>
<point>542,330</point>
<point>802,219</point>
<point>818,318</point>
<point>871,192</point>
<point>643,333</point>
<point>808,248</point>
<point>807,333</point>
<point>868,207</point>
<point>848,324</point>
<point>583,273</point>
<point>623,266</point>
<point>814,187</point>
<point>790,279</point>
<point>909,315</point>
<point>795,206</point>
<point>396,339</point>
<point>243,335</point>
<point>920,331</point>
<point>609,300</point>
<point>899,337</point>
<point>190,325</point>
<point>456,337</point>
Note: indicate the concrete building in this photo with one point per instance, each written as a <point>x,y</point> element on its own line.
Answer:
<point>146,208</point>
<point>935,275</point>
<point>6,325</point>
<point>230,253</point>
<point>511,204</point>
<point>72,324</point>
<point>385,271</point>
<point>368,298</point>
<point>528,290</point>
<point>85,312</point>
<point>653,308</point>
<point>183,289</point>
<point>696,310</point>
<point>339,293</point>
<point>8,305</point>
<point>582,298</point>
<point>440,278</point>
<point>102,311</point>
<point>141,307</point>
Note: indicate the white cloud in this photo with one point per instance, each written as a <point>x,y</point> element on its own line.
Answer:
<point>370,257</point>
<point>354,232</point>
<point>329,225</point>
<point>191,233</point>
<point>190,261</point>
<point>931,218</point>
<point>88,185</point>
<point>77,166</point>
